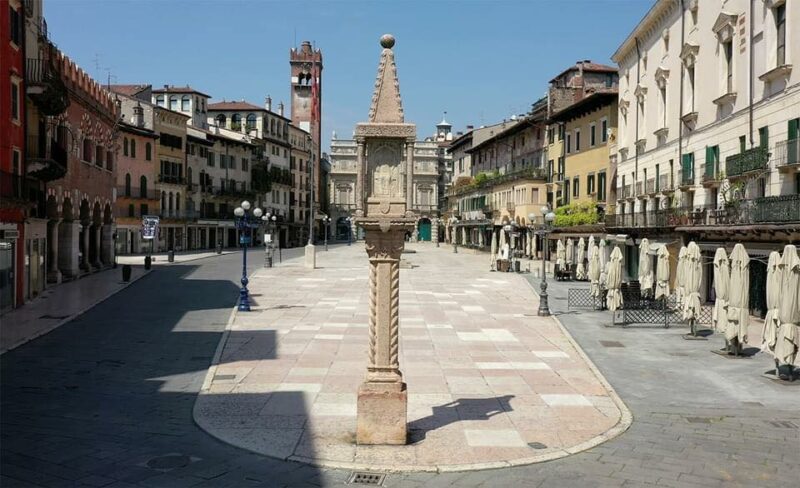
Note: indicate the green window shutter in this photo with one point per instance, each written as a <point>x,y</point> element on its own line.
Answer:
<point>794,128</point>
<point>709,161</point>
<point>742,144</point>
<point>763,137</point>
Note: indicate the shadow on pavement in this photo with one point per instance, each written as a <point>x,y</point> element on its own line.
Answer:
<point>456,411</point>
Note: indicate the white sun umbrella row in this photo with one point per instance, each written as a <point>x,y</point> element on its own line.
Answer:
<point>561,254</point>
<point>570,255</point>
<point>594,270</point>
<point>614,280</point>
<point>590,249</point>
<point>787,336</point>
<point>662,273</point>
<point>739,296</point>
<point>692,274</point>
<point>580,270</point>
<point>722,277</point>
<point>680,291</point>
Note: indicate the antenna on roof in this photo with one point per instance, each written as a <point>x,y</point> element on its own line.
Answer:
<point>294,40</point>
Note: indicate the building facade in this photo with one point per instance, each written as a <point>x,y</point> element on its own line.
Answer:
<point>300,165</point>
<point>708,129</point>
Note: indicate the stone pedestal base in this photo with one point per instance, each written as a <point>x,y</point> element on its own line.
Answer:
<point>382,409</point>
<point>311,256</point>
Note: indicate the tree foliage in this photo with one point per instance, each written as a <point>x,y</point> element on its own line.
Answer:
<point>576,213</point>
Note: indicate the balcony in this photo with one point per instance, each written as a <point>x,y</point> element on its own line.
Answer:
<point>650,187</point>
<point>662,218</point>
<point>665,184</point>
<point>711,175</point>
<point>787,155</point>
<point>686,177</point>
<point>12,186</point>
<point>136,193</point>
<point>420,207</point>
<point>639,189</point>
<point>751,160</point>
<point>780,209</point>
<point>44,86</point>
<point>171,179</point>
<point>46,159</point>
<point>233,192</point>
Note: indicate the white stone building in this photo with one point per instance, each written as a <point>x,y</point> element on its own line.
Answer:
<point>708,126</point>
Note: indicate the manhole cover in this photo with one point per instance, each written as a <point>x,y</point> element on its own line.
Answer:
<point>170,461</point>
<point>364,478</point>
<point>611,344</point>
<point>782,424</point>
<point>536,445</point>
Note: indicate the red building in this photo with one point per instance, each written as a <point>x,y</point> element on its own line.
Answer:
<point>13,201</point>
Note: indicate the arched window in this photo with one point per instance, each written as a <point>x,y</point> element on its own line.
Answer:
<point>125,146</point>
<point>143,187</point>
<point>236,122</point>
<point>251,121</point>
<point>133,148</point>
<point>222,121</point>
<point>127,184</point>
<point>186,102</point>
<point>160,100</point>
<point>173,103</point>
<point>87,150</point>
<point>178,204</point>
<point>148,151</point>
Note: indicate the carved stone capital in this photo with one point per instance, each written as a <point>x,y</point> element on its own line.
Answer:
<point>386,242</point>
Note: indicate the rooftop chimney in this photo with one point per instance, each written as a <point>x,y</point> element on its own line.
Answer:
<point>138,116</point>
<point>470,127</point>
<point>268,103</point>
<point>280,109</point>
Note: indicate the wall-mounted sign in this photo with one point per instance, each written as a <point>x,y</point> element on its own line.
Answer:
<point>150,226</point>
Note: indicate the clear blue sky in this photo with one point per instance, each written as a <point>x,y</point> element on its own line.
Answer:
<point>481,61</point>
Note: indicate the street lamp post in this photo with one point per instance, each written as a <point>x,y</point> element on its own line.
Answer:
<point>245,220</point>
<point>349,221</point>
<point>326,223</point>
<point>436,222</point>
<point>548,217</point>
<point>454,233</point>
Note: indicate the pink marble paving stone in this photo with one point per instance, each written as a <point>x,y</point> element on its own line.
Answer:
<point>485,376</point>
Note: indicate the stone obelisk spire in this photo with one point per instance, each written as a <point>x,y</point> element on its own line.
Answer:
<point>382,206</point>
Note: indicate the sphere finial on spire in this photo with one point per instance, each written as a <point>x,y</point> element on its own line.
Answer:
<point>387,41</point>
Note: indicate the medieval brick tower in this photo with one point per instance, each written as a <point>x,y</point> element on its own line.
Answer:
<point>306,65</point>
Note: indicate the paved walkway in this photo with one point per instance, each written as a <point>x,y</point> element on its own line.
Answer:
<point>180,257</point>
<point>489,384</point>
<point>59,304</point>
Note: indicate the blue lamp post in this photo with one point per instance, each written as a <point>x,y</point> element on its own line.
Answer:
<point>245,220</point>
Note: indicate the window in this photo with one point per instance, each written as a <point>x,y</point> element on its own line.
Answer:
<point>577,140</point>
<point>712,160</point>
<point>569,143</point>
<point>127,184</point>
<point>148,151</point>
<point>16,26</point>
<point>663,92</point>
<point>604,130</point>
<point>143,187</point>
<point>177,204</point>
<point>221,120</point>
<point>211,156</point>
<point>15,100</point>
<point>87,150</point>
<point>232,162</point>
<point>690,79</point>
<point>576,184</point>
<point>160,100</point>
<point>125,146</point>
<point>592,136</point>
<point>245,165</point>
<point>186,103</point>
<point>609,80</point>
<point>763,137</point>
<point>742,144</point>
<point>561,131</point>
<point>133,148</point>
<point>780,28</point>
<point>173,103</point>
<point>601,186</point>
<point>109,160</point>
<point>236,122</point>
<point>251,122</point>
<point>727,49</point>
<point>143,209</point>
<point>223,161</point>
<point>131,210</point>
<point>590,184</point>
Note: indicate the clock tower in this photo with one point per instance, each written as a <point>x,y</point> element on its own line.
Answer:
<point>306,82</point>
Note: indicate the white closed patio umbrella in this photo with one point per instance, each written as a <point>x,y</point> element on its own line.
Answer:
<point>594,271</point>
<point>570,257</point>
<point>722,278</point>
<point>739,296</point>
<point>662,273</point>
<point>493,255</point>
<point>692,275</point>
<point>603,261</point>
<point>528,249</point>
<point>502,238</point>
<point>590,248</point>
<point>788,345</point>
<point>580,271</point>
<point>614,280</point>
<point>680,285</point>
<point>645,268</point>
<point>769,335</point>
<point>464,236</point>
<point>534,249</point>
<point>561,254</point>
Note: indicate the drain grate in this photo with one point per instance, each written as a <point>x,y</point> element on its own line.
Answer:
<point>365,478</point>
<point>536,445</point>
<point>782,424</point>
<point>611,344</point>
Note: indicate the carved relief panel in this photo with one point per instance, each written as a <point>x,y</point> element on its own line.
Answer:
<point>384,170</point>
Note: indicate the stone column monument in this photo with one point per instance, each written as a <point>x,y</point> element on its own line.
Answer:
<point>384,211</point>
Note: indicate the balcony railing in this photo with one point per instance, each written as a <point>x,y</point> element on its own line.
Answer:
<point>650,186</point>
<point>639,189</point>
<point>665,183</point>
<point>711,173</point>
<point>136,193</point>
<point>787,153</point>
<point>171,179</point>
<point>778,209</point>
<point>753,159</point>
<point>686,176</point>
<point>46,159</point>
<point>625,192</point>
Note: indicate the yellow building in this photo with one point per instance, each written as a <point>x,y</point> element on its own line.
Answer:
<point>588,128</point>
